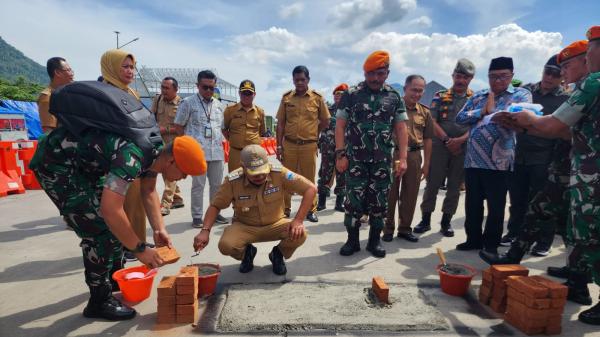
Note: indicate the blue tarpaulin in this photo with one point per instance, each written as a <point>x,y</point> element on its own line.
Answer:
<point>30,110</point>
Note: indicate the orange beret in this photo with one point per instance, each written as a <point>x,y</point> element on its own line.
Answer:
<point>593,33</point>
<point>341,87</point>
<point>189,156</point>
<point>377,59</point>
<point>574,49</point>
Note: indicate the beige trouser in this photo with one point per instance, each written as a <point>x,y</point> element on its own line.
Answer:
<point>408,189</point>
<point>234,159</point>
<point>237,235</point>
<point>171,194</point>
<point>301,159</point>
<point>134,208</point>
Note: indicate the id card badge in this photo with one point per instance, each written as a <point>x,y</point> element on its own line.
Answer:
<point>207,132</point>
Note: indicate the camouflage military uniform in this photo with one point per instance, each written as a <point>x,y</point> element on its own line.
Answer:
<point>582,113</point>
<point>327,149</point>
<point>73,173</point>
<point>369,142</point>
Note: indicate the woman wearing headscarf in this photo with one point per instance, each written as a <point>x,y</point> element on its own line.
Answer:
<point>117,68</point>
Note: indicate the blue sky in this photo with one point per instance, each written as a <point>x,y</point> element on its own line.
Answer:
<point>263,40</point>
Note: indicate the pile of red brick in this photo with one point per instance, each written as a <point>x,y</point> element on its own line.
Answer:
<point>178,297</point>
<point>493,287</point>
<point>535,304</point>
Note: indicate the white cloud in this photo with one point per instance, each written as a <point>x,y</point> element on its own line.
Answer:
<point>292,10</point>
<point>272,44</point>
<point>421,22</point>
<point>371,13</point>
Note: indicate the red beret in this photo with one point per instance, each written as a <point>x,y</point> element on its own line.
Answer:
<point>341,87</point>
<point>593,33</point>
<point>377,59</point>
<point>574,49</point>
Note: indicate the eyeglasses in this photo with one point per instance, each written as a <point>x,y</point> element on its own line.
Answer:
<point>502,77</point>
<point>246,93</point>
<point>339,92</point>
<point>207,87</point>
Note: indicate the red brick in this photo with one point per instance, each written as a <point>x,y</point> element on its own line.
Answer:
<point>499,307</point>
<point>166,287</point>
<point>381,289</point>
<point>187,289</point>
<point>189,318</point>
<point>168,255</point>
<point>499,295</point>
<point>487,283</point>
<point>499,285</point>
<point>557,290</point>
<point>527,286</point>
<point>188,276</point>
<point>186,299</point>
<point>486,275</point>
<point>485,293</point>
<point>521,310</point>
<point>166,318</point>
<point>166,300</point>
<point>536,303</point>
<point>523,326</point>
<point>503,271</point>
<point>558,302</point>
<point>186,309</point>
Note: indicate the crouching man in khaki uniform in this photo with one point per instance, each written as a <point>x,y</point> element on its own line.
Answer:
<point>257,191</point>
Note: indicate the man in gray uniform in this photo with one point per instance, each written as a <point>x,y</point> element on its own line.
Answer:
<point>447,157</point>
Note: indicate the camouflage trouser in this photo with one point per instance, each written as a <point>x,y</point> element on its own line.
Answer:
<point>584,228</point>
<point>327,168</point>
<point>78,201</point>
<point>367,189</point>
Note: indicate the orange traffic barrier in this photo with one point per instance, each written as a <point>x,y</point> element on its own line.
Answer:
<point>226,150</point>
<point>270,146</point>
<point>8,156</point>
<point>25,152</point>
<point>10,177</point>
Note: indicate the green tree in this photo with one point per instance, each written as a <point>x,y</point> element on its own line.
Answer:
<point>20,90</point>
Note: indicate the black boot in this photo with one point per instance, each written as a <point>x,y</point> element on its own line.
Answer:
<point>374,244</point>
<point>424,225</point>
<point>591,316</point>
<point>352,245</point>
<point>578,289</point>
<point>560,272</point>
<point>512,256</point>
<point>277,260</point>
<point>339,203</point>
<point>117,265</point>
<point>321,202</point>
<point>446,227</point>
<point>103,305</point>
<point>248,260</point>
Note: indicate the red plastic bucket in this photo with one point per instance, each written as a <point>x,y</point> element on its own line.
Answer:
<point>207,282</point>
<point>456,285</point>
<point>134,290</point>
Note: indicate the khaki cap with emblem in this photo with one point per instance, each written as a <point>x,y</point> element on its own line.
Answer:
<point>464,66</point>
<point>247,85</point>
<point>254,160</point>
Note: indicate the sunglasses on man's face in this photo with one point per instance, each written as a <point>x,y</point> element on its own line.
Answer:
<point>207,87</point>
<point>247,93</point>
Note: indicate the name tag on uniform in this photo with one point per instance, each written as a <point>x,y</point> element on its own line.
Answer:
<point>244,197</point>
<point>272,189</point>
<point>207,131</point>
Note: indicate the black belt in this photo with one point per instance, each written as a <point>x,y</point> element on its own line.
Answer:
<point>299,141</point>
<point>411,148</point>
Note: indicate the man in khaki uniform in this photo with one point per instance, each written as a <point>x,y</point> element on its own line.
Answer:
<point>301,116</point>
<point>164,107</point>
<point>257,191</point>
<point>420,132</point>
<point>243,123</point>
<point>60,74</point>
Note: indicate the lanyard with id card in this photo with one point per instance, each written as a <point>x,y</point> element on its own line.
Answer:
<point>207,126</point>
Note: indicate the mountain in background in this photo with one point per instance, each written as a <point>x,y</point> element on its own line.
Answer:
<point>14,64</point>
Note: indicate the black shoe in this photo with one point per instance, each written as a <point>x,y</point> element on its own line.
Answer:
<point>388,237</point>
<point>540,250</point>
<point>590,316</point>
<point>277,260</point>
<point>103,305</point>
<point>248,260</point>
<point>352,244</point>
<point>512,256</point>
<point>443,187</point>
<point>374,244</point>
<point>423,226</point>
<point>177,204</point>
<point>468,246</point>
<point>560,272</point>
<point>221,219</point>
<point>312,217</point>
<point>410,237</point>
<point>446,227</point>
<point>507,240</point>
<point>578,289</point>
<point>321,203</point>
<point>339,203</point>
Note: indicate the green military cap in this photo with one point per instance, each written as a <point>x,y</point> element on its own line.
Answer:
<point>464,66</point>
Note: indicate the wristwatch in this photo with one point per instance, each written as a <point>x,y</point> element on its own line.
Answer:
<point>140,247</point>
<point>340,153</point>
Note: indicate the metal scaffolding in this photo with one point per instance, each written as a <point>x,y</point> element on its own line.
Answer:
<point>147,82</point>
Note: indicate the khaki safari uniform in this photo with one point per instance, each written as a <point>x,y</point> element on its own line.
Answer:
<point>258,210</point>
<point>419,126</point>
<point>165,112</point>
<point>245,127</point>
<point>302,115</point>
<point>46,118</point>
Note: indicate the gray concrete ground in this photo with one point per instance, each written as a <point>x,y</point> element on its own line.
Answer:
<point>43,291</point>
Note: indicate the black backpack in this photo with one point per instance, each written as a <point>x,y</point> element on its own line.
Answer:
<point>91,104</point>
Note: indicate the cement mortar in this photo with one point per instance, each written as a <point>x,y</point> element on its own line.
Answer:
<point>323,306</point>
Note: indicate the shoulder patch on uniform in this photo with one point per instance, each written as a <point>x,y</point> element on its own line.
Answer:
<point>276,167</point>
<point>235,174</point>
<point>290,175</point>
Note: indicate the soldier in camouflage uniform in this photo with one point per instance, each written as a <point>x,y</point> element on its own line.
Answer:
<point>86,178</point>
<point>327,149</point>
<point>369,116</point>
<point>549,209</point>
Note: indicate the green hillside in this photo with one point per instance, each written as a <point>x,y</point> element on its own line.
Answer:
<point>13,64</point>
